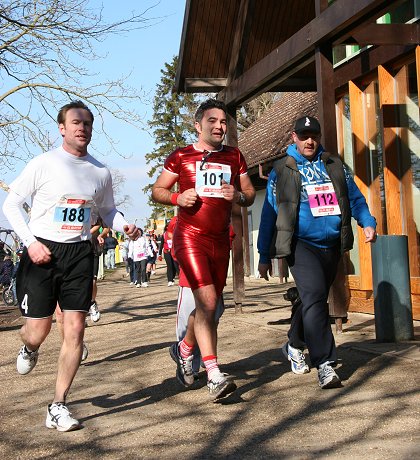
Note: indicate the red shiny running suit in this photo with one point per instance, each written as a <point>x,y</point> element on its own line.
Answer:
<point>201,237</point>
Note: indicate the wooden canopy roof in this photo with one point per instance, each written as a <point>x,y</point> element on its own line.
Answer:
<point>241,48</point>
<point>225,38</point>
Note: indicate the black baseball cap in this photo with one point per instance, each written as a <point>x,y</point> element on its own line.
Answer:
<point>309,124</point>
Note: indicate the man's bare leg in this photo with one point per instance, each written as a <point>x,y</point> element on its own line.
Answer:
<point>34,332</point>
<point>70,353</point>
<point>190,333</point>
<point>59,319</point>
<point>205,329</point>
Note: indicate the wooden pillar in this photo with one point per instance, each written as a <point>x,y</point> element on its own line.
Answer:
<point>326,97</point>
<point>245,242</point>
<point>327,119</point>
<point>363,131</point>
<point>320,6</point>
<point>325,89</point>
<point>237,246</point>
<point>398,175</point>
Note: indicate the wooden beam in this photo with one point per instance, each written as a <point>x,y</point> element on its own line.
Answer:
<point>367,62</point>
<point>298,50</point>
<point>326,97</point>
<point>182,45</point>
<point>204,85</point>
<point>245,242</point>
<point>241,38</point>
<point>320,6</point>
<point>237,245</point>
<point>392,173</point>
<point>386,34</point>
<point>418,71</point>
<point>360,127</point>
<point>296,84</point>
<point>410,112</point>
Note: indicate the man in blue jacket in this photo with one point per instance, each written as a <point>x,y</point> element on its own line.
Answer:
<point>306,218</point>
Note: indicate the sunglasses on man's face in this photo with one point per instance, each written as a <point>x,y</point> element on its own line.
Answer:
<point>306,136</point>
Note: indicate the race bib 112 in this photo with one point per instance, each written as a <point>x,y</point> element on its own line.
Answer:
<point>323,200</point>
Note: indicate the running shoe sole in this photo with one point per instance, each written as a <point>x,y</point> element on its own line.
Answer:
<point>52,425</point>
<point>334,383</point>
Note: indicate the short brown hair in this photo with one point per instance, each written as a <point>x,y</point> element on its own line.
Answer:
<point>207,105</point>
<point>61,117</point>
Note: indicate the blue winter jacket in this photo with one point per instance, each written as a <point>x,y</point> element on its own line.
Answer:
<point>322,231</point>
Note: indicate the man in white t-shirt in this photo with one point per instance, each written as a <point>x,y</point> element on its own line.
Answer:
<point>67,186</point>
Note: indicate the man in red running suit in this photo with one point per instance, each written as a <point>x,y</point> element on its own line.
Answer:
<point>211,176</point>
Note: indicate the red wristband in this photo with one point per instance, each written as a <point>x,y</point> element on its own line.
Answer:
<point>174,197</point>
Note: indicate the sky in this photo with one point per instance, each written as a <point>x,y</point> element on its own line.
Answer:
<point>142,53</point>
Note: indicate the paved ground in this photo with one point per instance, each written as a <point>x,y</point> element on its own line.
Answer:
<point>132,407</point>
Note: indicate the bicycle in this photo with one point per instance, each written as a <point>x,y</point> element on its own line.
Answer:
<point>8,294</point>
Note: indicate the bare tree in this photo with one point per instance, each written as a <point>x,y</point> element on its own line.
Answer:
<point>46,53</point>
<point>252,110</point>
<point>118,181</point>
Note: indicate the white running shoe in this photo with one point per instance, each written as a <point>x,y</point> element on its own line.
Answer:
<point>296,358</point>
<point>144,284</point>
<point>220,386</point>
<point>327,378</point>
<point>59,417</point>
<point>94,312</point>
<point>152,272</point>
<point>26,360</point>
<point>171,283</point>
<point>85,352</point>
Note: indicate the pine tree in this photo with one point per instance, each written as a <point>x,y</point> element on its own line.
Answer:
<point>172,125</point>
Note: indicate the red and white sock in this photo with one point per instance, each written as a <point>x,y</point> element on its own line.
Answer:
<point>185,349</point>
<point>212,368</point>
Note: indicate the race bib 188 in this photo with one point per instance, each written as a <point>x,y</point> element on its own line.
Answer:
<point>72,214</point>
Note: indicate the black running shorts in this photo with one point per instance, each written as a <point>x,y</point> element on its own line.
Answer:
<point>66,279</point>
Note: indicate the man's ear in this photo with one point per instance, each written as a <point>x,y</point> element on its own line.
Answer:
<point>197,127</point>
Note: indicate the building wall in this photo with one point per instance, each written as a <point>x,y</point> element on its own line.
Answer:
<point>378,136</point>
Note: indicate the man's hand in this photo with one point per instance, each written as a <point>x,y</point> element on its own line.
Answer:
<point>187,198</point>
<point>229,192</point>
<point>131,231</point>
<point>39,253</point>
<point>100,240</point>
<point>370,234</point>
<point>265,270</point>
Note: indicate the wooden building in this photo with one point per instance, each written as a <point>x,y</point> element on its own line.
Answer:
<point>362,58</point>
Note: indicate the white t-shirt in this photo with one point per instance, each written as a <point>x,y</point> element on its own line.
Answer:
<point>139,249</point>
<point>67,193</point>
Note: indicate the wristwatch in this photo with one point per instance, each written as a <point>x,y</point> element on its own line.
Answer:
<point>242,199</point>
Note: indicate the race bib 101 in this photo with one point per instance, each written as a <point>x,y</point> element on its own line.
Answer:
<point>323,200</point>
<point>208,181</point>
